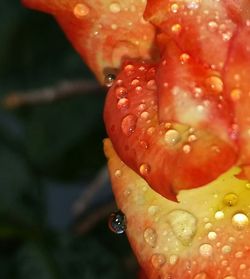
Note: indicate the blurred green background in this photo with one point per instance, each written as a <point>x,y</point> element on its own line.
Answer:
<point>49,155</point>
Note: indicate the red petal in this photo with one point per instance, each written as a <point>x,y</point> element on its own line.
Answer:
<point>238,87</point>
<point>200,28</point>
<point>169,156</point>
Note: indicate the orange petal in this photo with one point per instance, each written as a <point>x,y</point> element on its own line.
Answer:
<point>103,32</point>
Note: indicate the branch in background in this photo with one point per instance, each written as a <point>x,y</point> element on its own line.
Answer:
<point>92,190</point>
<point>92,219</point>
<point>46,95</point>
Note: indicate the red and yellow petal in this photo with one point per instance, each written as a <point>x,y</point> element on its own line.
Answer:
<point>103,32</point>
<point>175,240</point>
<point>170,156</point>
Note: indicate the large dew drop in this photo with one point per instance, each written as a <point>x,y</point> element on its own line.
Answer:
<point>183,224</point>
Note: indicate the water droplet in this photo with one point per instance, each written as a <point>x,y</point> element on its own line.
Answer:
<point>117,222</point>
<point>230,199</point>
<point>193,5</point>
<point>81,10</point>
<point>238,254</point>
<point>183,224</point>
<point>151,84</point>
<point>173,259</point>
<point>144,115</point>
<point>215,84</point>
<point>240,221</point>
<point>186,148</point>
<point>212,235</point>
<point>235,94</point>
<point>184,58</point>
<point>176,28</point>
<point>229,277</point>
<point>219,215</point>
<point>144,169</point>
<point>201,275</point>
<point>138,89</point>
<point>118,173</point>
<point>120,92</point>
<point>192,138</point>
<point>135,82</point>
<point>153,209</point>
<point>158,260</point>
<point>212,26</point>
<point>122,103</point>
<point>174,8</point>
<point>172,137</point>
<point>150,237</point>
<point>128,124</point>
<point>129,67</point>
<point>115,8</point>
<point>226,249</point>
<point>206,250</point>
<point>150,130</point>
<point>109,80</point>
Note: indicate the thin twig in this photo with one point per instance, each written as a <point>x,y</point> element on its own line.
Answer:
<point>81,204</point>
<point>92,219</point>
<point>45,95</point>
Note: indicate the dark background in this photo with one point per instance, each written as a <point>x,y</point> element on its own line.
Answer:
<point>50,154</point>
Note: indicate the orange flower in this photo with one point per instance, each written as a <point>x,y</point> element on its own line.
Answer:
<point>178,119</point>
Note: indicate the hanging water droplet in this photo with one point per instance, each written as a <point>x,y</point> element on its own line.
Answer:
<point>128,124</point>
<point>150,237</point>
<point>240,221</point>
<point>206,250</point>
<point>183,224</point>
<point>117,222</point>
<point>230,199</point>
<point>158,260</point>
<point>192,138</point>
<point>144,169</point>
<point>81,10</point>
<point>109,80</point>
<point>172,137</point>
